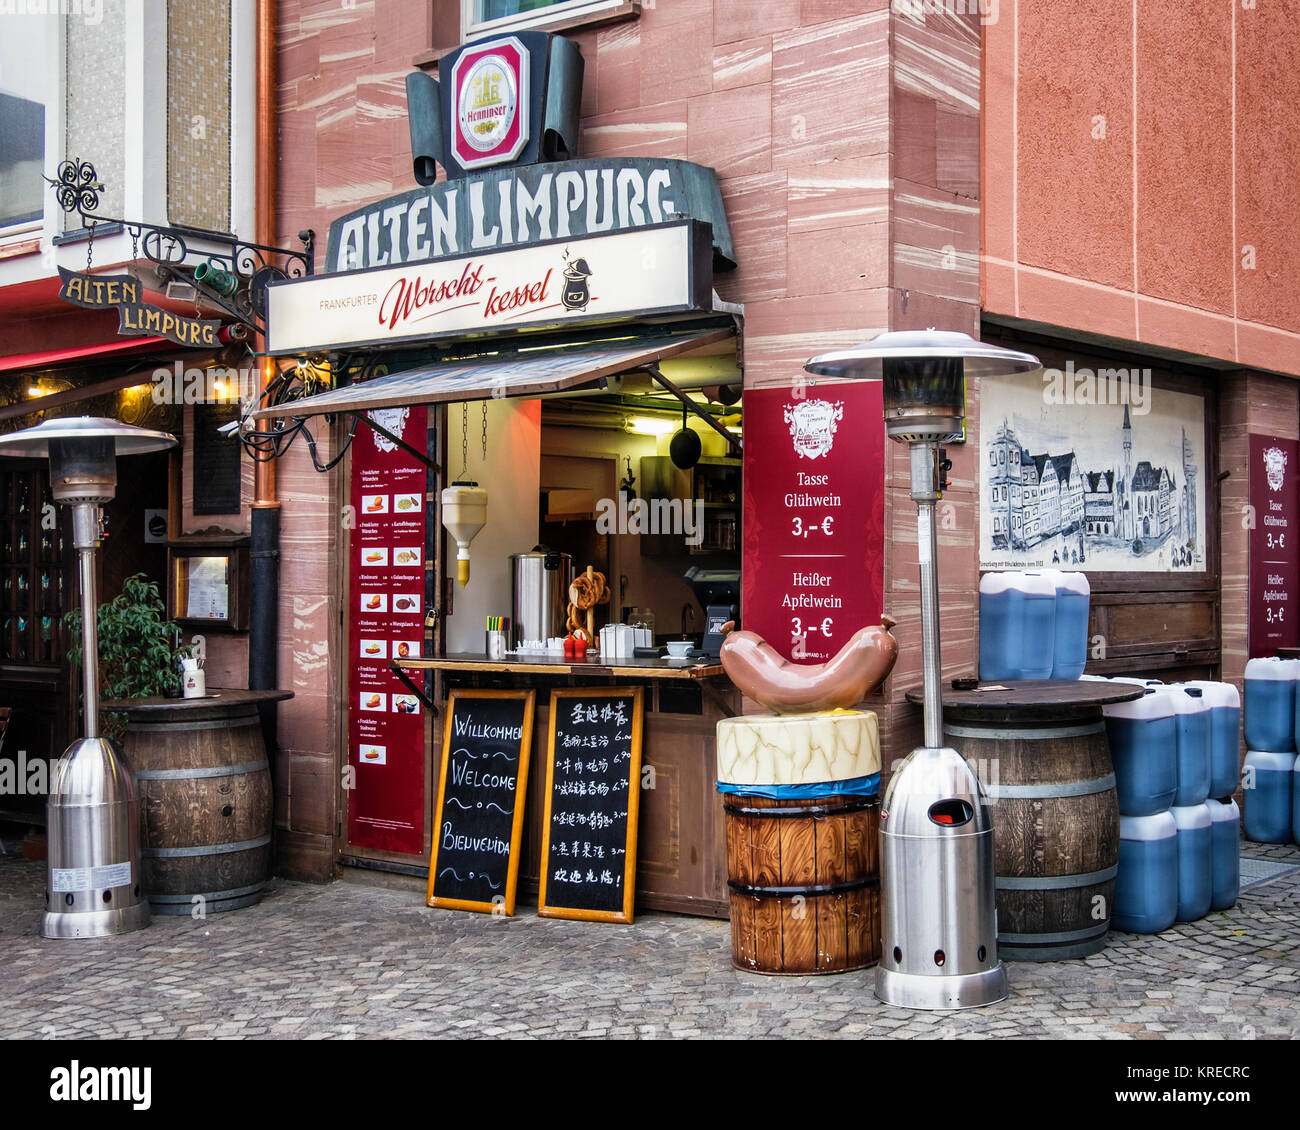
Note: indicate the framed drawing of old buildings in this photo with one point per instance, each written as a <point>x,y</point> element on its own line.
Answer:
<point>1108,463</point>
<point>1091,469</point>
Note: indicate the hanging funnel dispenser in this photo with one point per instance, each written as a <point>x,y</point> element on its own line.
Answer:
<point>464,513</point>
<point>938,915</point>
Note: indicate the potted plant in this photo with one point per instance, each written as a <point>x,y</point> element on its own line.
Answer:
<point>138,652</point>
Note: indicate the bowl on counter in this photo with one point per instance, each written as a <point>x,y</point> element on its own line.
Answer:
<point>679,649</point>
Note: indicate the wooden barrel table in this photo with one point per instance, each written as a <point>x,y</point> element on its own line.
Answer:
<point>203,793</point>
<point>804,883</point>
<point>1039,748</point>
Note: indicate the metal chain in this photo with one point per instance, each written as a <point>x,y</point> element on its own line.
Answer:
<point>90,247</point>
<point>135,243</point>
<point>485,433</point>
<point>464,438</point>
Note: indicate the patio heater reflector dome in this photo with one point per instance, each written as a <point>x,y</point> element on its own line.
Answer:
<point>923,374</point>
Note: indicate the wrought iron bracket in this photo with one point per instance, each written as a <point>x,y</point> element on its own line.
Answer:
<point>233,276</point>
<point>691,406</point>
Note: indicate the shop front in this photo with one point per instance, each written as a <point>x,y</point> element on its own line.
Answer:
<point>550,438</point>
<point>585,521</point>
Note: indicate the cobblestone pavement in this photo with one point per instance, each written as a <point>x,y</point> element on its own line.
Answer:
<point>347,961</point>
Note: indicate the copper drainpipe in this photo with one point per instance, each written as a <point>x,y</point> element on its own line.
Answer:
<point>263,635</point>
<point>264,475</point>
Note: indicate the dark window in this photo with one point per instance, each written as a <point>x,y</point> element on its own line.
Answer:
<point>22,155</point>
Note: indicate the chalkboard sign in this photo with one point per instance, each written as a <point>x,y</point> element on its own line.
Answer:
<point>593,788</point>
<point>486,742</point>
<point>216,460</point>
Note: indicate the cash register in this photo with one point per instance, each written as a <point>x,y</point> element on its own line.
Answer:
<point>718,591</point>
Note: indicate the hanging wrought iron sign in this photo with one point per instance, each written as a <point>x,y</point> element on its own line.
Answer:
<point>229,272</point>
<point>94,292</point>
<point>136,318</point>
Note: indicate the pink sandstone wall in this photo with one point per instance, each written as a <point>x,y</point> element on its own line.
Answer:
<point>342,142</point>
<point>1139,174</point>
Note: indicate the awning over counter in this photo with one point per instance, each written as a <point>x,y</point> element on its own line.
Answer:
<point>524,372</point>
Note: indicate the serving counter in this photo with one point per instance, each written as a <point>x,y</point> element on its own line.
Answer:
<point>681,845</point>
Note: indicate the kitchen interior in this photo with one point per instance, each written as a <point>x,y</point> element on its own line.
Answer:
<point>583,479</point>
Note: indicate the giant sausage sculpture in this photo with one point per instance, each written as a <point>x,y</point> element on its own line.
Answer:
<point>760,671</point>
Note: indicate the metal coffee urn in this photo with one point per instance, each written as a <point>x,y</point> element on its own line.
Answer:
<point>93,846</point>
<point>938,916</point>
<point>539,594</point>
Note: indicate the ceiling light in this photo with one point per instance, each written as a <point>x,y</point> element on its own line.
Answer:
<point>649,426</point>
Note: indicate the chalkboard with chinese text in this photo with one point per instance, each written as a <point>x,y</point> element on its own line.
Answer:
<point>593,779</point>
<point>474,861</point>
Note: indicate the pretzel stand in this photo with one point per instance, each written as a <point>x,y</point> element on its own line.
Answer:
<point>588,590</point>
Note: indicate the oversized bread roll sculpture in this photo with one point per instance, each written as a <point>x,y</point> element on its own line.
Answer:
<point>761,672</point>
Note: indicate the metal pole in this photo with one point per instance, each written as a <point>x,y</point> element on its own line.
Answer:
<point>925,492</point>
<point>85,536</point>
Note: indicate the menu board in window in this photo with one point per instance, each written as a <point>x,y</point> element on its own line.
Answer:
<point>487,739</point>
<point>207,588</point>
<point>593,779</point>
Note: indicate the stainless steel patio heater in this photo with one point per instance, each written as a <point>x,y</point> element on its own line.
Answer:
<point>939,921</point>
<point>93,845</point>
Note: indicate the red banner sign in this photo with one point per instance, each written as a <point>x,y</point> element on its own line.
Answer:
<point>814,516</point>
<point>1274,586</point>
<point>386,621</point>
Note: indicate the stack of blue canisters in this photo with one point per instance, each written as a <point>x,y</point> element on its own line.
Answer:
<point>1033,625</point>
<point>1270,786</point>
<point>1174,749</point>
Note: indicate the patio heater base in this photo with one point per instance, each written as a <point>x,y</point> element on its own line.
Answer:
<point>909,990</point>
<point>95,923</point>
<point>93,846</point>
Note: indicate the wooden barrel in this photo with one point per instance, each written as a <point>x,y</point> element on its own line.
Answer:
<point>804,879</point>
<point>1055,824</point>
<point>203,791</point>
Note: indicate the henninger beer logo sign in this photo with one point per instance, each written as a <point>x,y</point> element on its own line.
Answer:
<point>812,426</point>
<point>490,110</point>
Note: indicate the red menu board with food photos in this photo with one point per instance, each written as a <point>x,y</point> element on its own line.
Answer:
<point>386,611</point>
<point>814,515</point>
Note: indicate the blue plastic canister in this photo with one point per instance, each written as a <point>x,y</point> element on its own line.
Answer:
<point>1270,705</point>
<point>1225,838</point>
<point>1146,884</point>
<point>1143,740</point>
<point>1017,626</point>
<point>1266,786</point>
<point>1001,609</point>
<point>1192,720</point>
<point>1295,802</point>
<point>1070,639</point>
<point>1224,702</point>
<point>1195,861</point>
<point>1038,626</point>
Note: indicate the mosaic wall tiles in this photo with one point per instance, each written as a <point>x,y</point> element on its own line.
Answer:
<point>198,113</point>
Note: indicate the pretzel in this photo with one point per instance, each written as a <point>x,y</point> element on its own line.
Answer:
<point>589,591</point>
